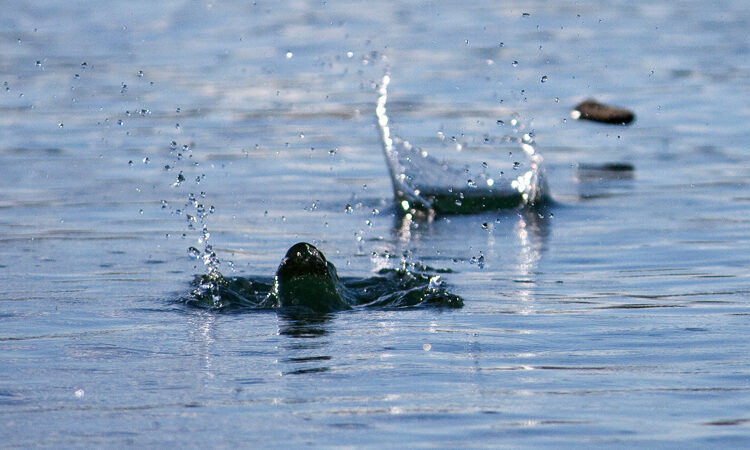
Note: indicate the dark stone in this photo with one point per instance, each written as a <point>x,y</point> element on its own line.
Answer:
<point>306,280</point>
<point>599,112</point>
<point>303,259</point>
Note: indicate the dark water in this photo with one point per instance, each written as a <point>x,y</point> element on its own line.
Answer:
<point>618,318</point>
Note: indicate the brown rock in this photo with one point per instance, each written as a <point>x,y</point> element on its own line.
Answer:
<point>599,112</point>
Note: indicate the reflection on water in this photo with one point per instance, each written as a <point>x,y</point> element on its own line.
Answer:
<point>306,349</point>
<point>201,339</point>
<point>532,230</point>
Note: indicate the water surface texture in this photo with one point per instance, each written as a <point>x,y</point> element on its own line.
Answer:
<point>143,143</point>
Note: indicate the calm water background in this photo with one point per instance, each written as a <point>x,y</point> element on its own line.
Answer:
<point>621,317</point>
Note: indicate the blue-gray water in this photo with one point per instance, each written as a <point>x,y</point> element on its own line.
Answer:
<point>620,318</point>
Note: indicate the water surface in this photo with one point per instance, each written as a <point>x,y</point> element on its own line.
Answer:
<point>616,318</point>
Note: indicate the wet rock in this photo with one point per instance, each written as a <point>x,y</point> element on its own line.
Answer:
<point>599,112</point>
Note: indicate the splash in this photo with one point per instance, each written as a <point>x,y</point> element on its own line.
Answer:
<point>389,289</point>
<point>196,212</point>
<point>423,183</point>
<point>308,283</point>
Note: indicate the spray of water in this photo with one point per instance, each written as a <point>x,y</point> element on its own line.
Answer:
<point>422,182</point>
<point>196,212</point>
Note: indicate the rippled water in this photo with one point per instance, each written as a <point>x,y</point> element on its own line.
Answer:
<point>619,317</point>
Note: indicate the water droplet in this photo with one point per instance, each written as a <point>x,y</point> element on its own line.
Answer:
<point>544,79</point>
<point>426,347</point>
<point>485,225</point>
<point>332,152</point>
<point>164,204</point>
<point>289,55</point>
<point>146,160</point>
<point>348,208</point>
<point>349,54</point>
<point>39,63</point>
<point>84,65</point>
<point>515,63</point>
<point>516,165</point>
<point>140,74</point>
<point>79,393</point>
<point>180,179</point>
<point>479,261</point>
<point>130,163</point>
<point>471,183</point>
<point>120,122</point>
<point>194,252</point>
